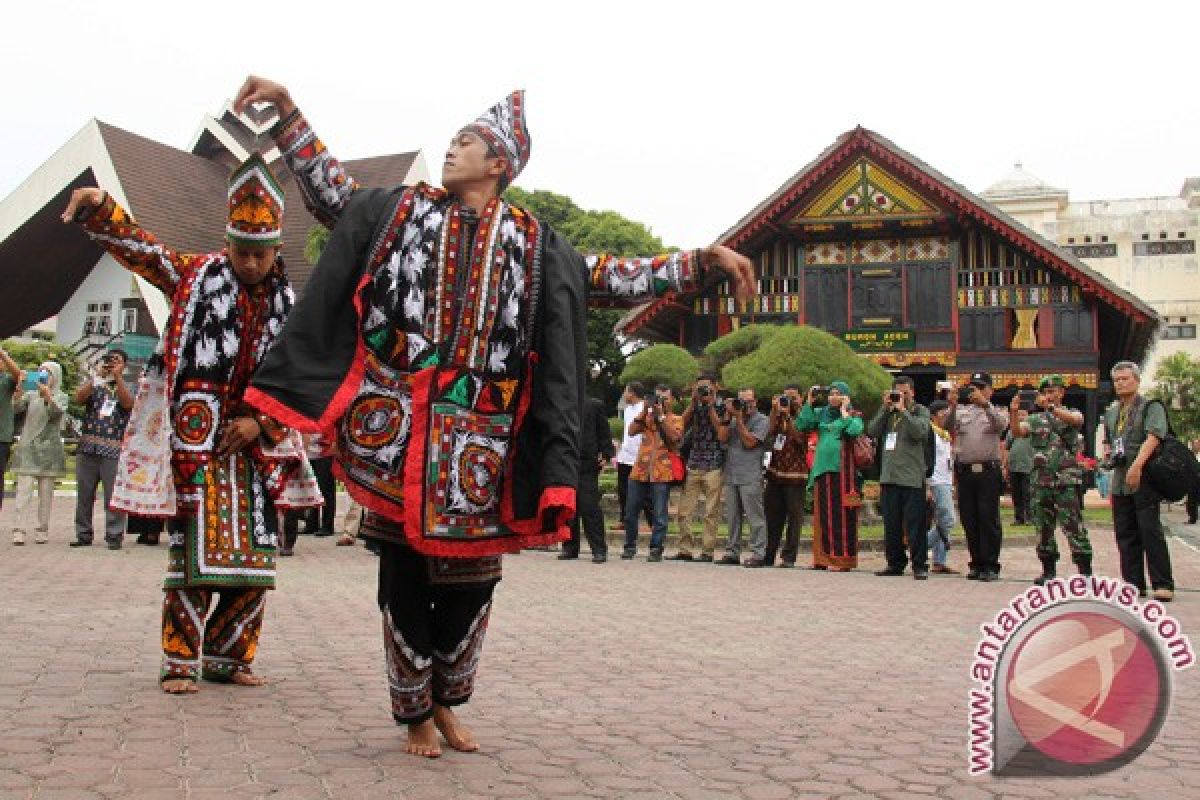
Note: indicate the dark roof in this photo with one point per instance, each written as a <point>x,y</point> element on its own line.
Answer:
<point>43,262</point>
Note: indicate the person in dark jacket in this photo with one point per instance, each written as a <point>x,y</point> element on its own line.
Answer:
<point>595,450</point>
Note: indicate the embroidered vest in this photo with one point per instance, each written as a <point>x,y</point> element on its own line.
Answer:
<point>446,310</point>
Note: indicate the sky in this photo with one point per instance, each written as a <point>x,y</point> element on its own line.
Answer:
<point>682,116</point>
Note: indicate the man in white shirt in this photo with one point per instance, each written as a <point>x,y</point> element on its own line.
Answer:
<point>940,488</point>
<point>627,453</point>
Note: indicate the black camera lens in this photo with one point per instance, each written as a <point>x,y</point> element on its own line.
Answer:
<point>784,401</point>
<point>704,391</point>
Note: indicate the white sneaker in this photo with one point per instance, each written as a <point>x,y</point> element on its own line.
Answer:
<point>18,537</point>
<point>41,536</point>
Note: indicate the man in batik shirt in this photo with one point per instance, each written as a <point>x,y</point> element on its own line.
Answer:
<point>442,340</point>
<point>228,467</point>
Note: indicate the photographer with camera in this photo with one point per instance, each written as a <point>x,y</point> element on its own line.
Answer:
<point>106,402</point>
<point>1134,426</point>
<point>661,431</point>
<point>627,452</point>
<point>744,430</point>
<point>833,477</point>
<point>39,458</point>
<point>701,424</point>
<point>1054,432</point>
<point>901,426</point>
<point>787,477</point>
<point>978,427</point>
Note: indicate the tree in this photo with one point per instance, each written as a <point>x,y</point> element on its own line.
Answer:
<point>768,357</point>
<point>1177,385</point>
<point>662,363</point>
<point>597,232</point>
<point>314,243</point>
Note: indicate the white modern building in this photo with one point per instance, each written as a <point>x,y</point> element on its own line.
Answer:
<point>1145,245</point>
<point>51,270</point>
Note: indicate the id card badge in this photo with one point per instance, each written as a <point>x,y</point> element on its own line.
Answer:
<point>889,441</point>
<point>780,440</point>
<point>109,406</point>
<point>1118,448</point>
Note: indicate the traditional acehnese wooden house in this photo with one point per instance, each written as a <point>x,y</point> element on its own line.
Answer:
<point>919,274</point>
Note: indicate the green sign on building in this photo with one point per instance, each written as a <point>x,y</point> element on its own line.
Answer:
<point>874,340</point>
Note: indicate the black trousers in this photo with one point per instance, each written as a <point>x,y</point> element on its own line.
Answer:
<point>587,512</point>
<point>323,468</point>
<point>5,450</point>
<point>432,632</point>
<point>1019,489</point>
<point>1193,504</point>
<point>979,511</point>
<point>783,505</point>
<point>623,471</point>
<point>903,510</point>
<point>1141,539</point>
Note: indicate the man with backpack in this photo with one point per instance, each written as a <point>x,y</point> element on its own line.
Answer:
<point>978,427</point>
<point>1134,426</point>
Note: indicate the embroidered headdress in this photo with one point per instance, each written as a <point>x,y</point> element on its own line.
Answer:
<point>255,204</point>
<point>503,127</point>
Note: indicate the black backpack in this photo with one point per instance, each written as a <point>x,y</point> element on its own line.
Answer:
<point>1173,470</point>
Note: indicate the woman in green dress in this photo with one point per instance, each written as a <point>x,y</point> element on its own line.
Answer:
<point>832,478</point>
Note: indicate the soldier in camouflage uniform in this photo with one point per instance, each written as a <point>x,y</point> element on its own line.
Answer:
<point>1054,433</point>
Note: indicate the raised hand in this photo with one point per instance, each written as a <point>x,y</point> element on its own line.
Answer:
<point>87,197</point>
<point>260,90</point>
<point>738,268</point>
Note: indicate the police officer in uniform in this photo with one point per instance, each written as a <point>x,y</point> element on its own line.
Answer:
<point>1054,432</point>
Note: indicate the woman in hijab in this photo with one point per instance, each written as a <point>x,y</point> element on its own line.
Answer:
<point>38,458</point>
<point>833,477</point>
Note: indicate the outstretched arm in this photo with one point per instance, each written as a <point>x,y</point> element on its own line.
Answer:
<point>112,227</point>
<point>323,182</point>
<point>613,280</point>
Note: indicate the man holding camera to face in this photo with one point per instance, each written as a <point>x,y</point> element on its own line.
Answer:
<point>660,432</point>
<point>787,478</point>
<point>107,400</point>
<point>901,427</point>
<point>744,430</point>
<point>702,420</point>
<point>978,427</point>
<point>1054,431</point>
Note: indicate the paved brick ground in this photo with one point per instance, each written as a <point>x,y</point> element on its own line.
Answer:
<point>622,680</point>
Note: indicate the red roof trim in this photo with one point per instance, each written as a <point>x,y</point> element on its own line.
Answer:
<point>858,141</point>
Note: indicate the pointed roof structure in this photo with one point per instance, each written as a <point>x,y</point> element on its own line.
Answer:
<point>1021,184</point>
<point>863,180</point>
<point>177,194</point>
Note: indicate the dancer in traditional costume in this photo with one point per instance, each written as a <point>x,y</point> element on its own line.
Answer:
<point>194,451</point>
<point>442,341</point>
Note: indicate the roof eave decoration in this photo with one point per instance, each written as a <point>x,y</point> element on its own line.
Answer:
<point>860,141</point>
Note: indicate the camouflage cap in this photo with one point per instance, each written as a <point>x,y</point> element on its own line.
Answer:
<point>1052,380</point>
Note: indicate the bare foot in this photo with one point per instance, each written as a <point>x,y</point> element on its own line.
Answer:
<point>247,679</point>
<point>423,740</point>
<point>180,686</point>
<point>457,735</point>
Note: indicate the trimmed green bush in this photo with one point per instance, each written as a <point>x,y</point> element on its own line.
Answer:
<point>662,363</point>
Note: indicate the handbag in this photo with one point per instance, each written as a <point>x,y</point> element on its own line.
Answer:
<point>678,468</point>
<point>863,450</point>
<point>1173,470</point>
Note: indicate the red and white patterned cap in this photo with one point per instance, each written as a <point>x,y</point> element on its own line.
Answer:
<point>503,127</point>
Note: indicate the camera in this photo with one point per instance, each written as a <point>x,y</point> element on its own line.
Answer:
<point>651,401</point>
<point>820,396</point>
<point>704,392</point>
<point>1027,399</point>
<point>944,388</point>
<point>1116,460</point>
<point>784,401</point>
<point>894,397</point>
<point>964,394</point>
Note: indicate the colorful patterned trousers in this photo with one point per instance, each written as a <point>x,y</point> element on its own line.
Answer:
<point>214,646</point>
<point>1059,505</point>
<point>435,616</point>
